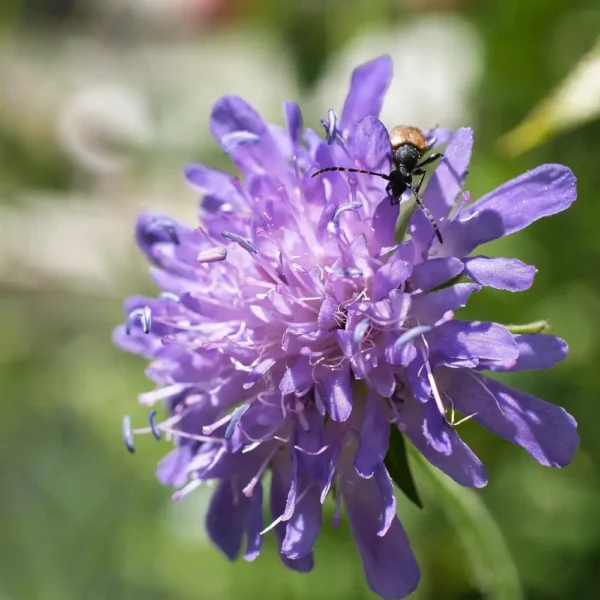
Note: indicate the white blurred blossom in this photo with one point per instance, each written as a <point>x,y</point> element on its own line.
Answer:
<point>438,60</point>
<point>100,126</point>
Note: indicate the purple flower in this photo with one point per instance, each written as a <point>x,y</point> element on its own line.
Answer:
<point>294,331</point>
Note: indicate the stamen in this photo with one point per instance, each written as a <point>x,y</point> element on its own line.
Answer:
<point>149,398</point>
<point>230,140</point>
<point>249,489</point>
<point>281,518</point>
<point>411,334</point>
<point>186,489</point>
<point>354,205</point>
<point>159,224</point>
<point>144,315</point>
<point>245,243</point>
<point>212,255</point>
<point>127,434</point>
<point>237,414</point>
<point>152,422</point>
<point>434,388</point>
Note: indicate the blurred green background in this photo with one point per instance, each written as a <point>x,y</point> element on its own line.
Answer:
<point>102,102</point>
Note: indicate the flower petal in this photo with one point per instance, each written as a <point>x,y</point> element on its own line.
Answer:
<point>546,431</point>
<point>293,117</point>
<point>336,391</point>
<point>464,340</point>
<point>538,351</point>
<point>173,468</point>
<point>368,86</point>
<point>389,277</point>
<point>433,306</point>
<point>254,524</point>
<point>374,438</point>
<point>389,563</point>
<point>370,144</point>
<point>384,225</point>
<point>436,271</point>
<point>449,177</point>
<point>297,378</point>
<point>225,519</point>
<point>544,191</point>
<point>232,114</point>
<point>501,273</point>
<point>304,526</point>
<point>423,424</point>
<point>280,484</point>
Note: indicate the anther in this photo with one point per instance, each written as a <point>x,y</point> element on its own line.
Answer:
<point>361,330</point>
<point>354,205</point>
<point>127,434</point>
<point>245,243</point>
<point>330,126</point>
<point>168,296</point>
<point>349,272</point>
<point>411,334</point>
<point>230,140</point>
<point>144,315</point>
<point>212,255</point>
<point>237,414</point>
<point>152,422</point>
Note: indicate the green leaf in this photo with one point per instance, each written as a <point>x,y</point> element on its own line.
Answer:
<point>491,564</point>
<point>396,461</point>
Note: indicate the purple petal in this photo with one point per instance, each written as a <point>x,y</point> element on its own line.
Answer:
<point>370,144</point>
<point>501,273</point>
<point>304,527</point>
<point>297,378</point>
<point>254,524</point>
<point>384,224</point>
<point>259,370</point>
<point>336,391</point>
<point>434,272</point>
<point>389,277</point>
<point>374,438</point>
<point>433,306</point>
<point>439,443</point>
<point>442,136</point>
<point>290,503</point>
<point>388,498</point>
<point>293,117</point>
<point>225,519</point>
<point>280,484</point>
<point>544,191</point>
<point>539,351</point>
<point>173,468</point>
<point>383,380</point>
<point>230,115</point>
<point>546,431</point>
<point>368,86</point>
<point>449,177</point>
<point>464,340</point>
<point>389,563</point>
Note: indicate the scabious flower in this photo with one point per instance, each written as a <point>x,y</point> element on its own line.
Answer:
<point>294,331</point>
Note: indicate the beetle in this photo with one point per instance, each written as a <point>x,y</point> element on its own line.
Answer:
<point>409,144</point>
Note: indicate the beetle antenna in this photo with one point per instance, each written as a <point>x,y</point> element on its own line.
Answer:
<point>426,211</point>
<point>349,170</point>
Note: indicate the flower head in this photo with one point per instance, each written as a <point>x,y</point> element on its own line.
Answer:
<point>295,331</point>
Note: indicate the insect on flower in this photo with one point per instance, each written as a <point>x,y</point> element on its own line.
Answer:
<point>409,144</point>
